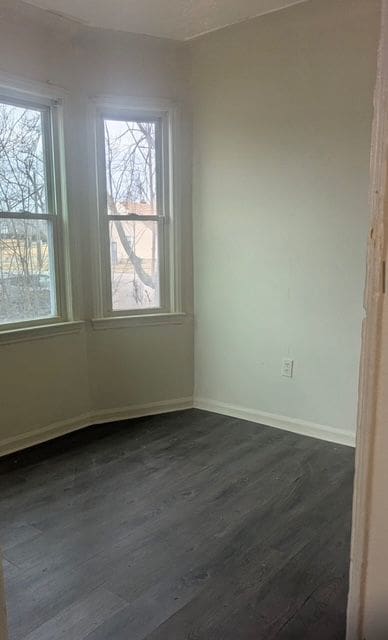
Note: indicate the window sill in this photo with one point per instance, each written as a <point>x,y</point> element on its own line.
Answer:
<point>26,334</point>
<point>144,320</point>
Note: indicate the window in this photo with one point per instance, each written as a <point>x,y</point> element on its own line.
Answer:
<point>29,288</point>
<point>134,209</point>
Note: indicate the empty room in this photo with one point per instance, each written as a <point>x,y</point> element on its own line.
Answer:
<point>186,197</point>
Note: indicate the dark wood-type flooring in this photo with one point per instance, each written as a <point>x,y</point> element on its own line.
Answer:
<point>187,526</point>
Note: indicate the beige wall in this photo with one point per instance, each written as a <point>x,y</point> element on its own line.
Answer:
<point>63,379</point>
<point>282,124</point>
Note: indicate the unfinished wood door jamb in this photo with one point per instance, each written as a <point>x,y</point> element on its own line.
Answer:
<point>3,613</point>
<point>371,340</point>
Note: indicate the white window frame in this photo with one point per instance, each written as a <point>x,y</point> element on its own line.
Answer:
<point>50,101</point>
<point>168,114</point>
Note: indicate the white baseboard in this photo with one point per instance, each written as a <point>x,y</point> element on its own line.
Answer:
<point>301,427</point>
<point>37,436</point>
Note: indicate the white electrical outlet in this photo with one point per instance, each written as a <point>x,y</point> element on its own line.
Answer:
<point>287,368</point>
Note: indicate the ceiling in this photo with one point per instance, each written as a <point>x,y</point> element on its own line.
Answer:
<point>176,19</point>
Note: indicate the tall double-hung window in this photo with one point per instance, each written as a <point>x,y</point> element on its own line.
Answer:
<point>30,255</point>
<point>133,149</point>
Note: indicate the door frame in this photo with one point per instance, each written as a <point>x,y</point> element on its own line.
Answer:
<point>3,612</point>
<point>371,340</point>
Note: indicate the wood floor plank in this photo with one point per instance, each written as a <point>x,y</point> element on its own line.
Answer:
<point>188,525</point>
<point>11,536</point>
<point>80,618</point>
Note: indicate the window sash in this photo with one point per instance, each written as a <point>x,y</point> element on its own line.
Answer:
<point>50,135</point>
<point>52,229</point>
<point>48,144</point>
<point>161,218</point>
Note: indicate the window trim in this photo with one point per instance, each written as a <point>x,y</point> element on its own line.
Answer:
<point>41,331</point>
<point>168,112</point>
<point>50,100</point>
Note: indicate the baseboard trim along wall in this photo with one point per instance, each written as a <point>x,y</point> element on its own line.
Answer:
<point>37,436</point>
<point>301,427</point>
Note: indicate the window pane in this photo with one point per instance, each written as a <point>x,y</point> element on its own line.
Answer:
<point>134,264</point>
<point>27,287</point>
<point>130,167</point>
<point>22,165</point>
